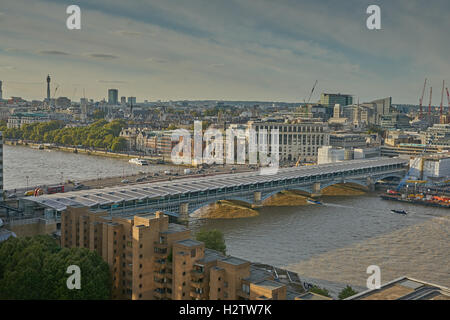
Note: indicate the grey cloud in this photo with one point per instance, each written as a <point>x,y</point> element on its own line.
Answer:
<point>128,33</point>
<point>54,52</point>
<point>102,56</point>
<point>112,81</point>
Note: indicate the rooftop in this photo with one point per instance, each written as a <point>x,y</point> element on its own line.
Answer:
<point>405,288</point>
<point>190,243</point>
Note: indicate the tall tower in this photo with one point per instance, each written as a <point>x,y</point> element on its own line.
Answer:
<point>48,87</point>
<point>1,92</point>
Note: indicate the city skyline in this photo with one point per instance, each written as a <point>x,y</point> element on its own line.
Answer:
<point>223,51</point>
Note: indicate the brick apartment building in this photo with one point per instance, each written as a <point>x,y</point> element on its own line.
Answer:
<point>150,258</point>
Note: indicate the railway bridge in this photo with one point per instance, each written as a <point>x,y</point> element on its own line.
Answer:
<point>182,197</point>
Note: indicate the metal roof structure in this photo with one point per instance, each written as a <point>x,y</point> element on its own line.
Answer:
<point>155,190</point>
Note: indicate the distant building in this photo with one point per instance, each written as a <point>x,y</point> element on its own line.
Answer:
<point>1,166</point>
<point>329,154</point>
<point>299,140</point>
<point>113,96</point>
<point>394,121</point>
<point>405,288</point>
<point>63,102</point>
<point>1,92</point>
<point>347,140</point>
<point>132,101</point>
<point>331,99</point>
<point>435,166</point>
<point>123,100</point>
<point>17,120</point>
<point>366,153</point>
<point>437,135</point>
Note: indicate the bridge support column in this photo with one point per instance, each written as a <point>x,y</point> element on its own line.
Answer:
<point>184,212</point>
<point>370,184</point>
<point>316,190</point>
<point>257,199</point>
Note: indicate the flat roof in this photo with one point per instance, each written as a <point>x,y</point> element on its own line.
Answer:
<point>190,243</point>
<point>405,288</point>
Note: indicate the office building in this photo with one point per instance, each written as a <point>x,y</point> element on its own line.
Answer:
<point>331,99</point>
<point>132,101</point>
<point>329,154</point>
<point>1,92</point>
<point>299,140</point>
<point>150,258</point>
<point>17,120</point>
<point>430,167</point>
<point>347,140</point>
<point>113,96</point>
<point>1,166</point>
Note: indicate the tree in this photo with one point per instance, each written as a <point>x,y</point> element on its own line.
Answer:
<point>213,239</point>
<point>347,292</point>
<point>35,268</point>
<point>321,291</point>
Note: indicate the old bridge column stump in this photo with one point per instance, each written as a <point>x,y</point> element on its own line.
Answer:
<point>316,190</point>
<point>184,211</point>
<point>257,199</point>
<point>370,184</point>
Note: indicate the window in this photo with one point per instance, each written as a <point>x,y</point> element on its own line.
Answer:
<point>193,253</point>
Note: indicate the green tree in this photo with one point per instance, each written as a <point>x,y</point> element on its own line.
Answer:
<point>347,292</point>
<point>99,114</point>
<point>321,291</point>
<point>119,144</point>
<point>213,239</point>
<point>35,268</point>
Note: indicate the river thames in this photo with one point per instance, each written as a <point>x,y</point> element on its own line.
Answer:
<point>333,242</point>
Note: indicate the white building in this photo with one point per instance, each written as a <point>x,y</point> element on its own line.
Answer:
<point>430,167</point>
<point>329,154</point>
<point>299,140</point>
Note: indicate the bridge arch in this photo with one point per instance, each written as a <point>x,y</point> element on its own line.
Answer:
<point>343,182</point>
<point>272,193</point>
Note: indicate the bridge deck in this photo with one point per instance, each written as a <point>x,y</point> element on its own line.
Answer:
<point>181,187</point>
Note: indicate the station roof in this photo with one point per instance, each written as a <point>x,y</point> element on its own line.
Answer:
<point>155,190</point>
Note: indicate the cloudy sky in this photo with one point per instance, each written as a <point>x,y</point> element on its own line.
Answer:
<point>270,50</point>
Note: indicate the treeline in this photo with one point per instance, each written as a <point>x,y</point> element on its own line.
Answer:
<point>36,268</point>
<point>101,134</point>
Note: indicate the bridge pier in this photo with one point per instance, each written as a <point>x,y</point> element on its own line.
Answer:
<point>184,212</point>
<point>257,203</point>
<point>370,184</point>
<point>316,190</point>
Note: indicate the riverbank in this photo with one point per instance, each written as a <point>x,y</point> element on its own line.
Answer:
<point>87,151</point>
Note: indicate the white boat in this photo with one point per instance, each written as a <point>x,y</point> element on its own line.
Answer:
<point>140,162</point>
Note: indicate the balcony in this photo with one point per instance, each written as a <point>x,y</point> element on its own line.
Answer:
<point>159,294</point>
<point>196,294</point>
<point>197,284</point>
<point>161,246</point>
<point>160,253</point>
<point>197,274</point>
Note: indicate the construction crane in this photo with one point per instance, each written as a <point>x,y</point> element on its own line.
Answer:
<point>421,98</point>
<point>429,105</point>
<point>311,93</point>
<point>442,101</point>
<point>448,99</point>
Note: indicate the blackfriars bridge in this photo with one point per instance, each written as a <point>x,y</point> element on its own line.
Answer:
<point>182,197</point>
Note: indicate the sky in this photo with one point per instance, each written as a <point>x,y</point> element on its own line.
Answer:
<point>265,50</point>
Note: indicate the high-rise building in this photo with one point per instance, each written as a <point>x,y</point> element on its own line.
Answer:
<point>48,87</point>
<point>331,99</point>
<point>113,96</point>
<point>1,166</point>
<point>1,92</point>
<point>150,258</point>
<point>132,101</point>
<point>123,100</point>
